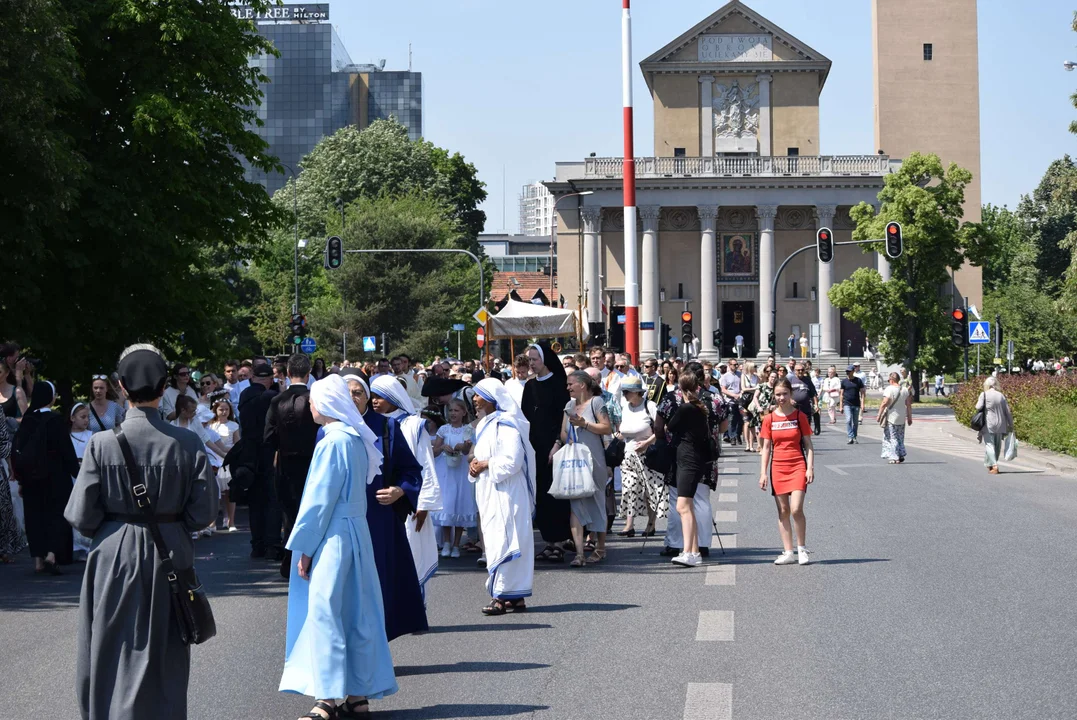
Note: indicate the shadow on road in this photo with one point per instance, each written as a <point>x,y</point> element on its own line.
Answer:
<point>466,667</point>
<point>492,627</point>
<point>579,607</point>
<point>439,712</point>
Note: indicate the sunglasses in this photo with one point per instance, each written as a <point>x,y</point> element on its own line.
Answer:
<point>99,377</point>
<point>206,382</point>
<point>183,373</point>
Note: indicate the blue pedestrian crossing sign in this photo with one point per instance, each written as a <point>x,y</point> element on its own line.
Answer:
<point>369,343</point>
<point>979,332</point>
<point>308,345</point>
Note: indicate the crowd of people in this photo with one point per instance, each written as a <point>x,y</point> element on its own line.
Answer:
<point>360,480</point>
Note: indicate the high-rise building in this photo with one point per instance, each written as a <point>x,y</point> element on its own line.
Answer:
<point>927,94</point>
<point>315,89</point>
<point>536,210</point>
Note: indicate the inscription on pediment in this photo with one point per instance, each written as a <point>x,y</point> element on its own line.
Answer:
<point>735,48</point>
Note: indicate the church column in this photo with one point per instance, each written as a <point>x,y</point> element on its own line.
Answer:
<point>706,115</point>
<point>764,115</point>
<point>649,308</point>
<point>824,215</point>
<point>708,281</point>
<point>766,214</point>
<point>592,262</point>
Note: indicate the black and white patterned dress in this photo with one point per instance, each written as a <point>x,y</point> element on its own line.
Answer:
<point>12,540</point>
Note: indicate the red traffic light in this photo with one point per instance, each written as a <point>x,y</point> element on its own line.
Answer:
<point>686,316</point>
<point>824,235</point>
<point>892,228</point>
<point>958,314</point>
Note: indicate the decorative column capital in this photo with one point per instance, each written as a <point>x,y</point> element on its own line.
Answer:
<point>592,218</point>
<point>824,214</point>
<point>708,217</point>
<point>706,78</point>
<point>766,215</point>
<point>650,215</point>
<point>764,78</point>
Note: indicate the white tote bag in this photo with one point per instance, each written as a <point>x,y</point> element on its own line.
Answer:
<point>573,474</point>
<point>1009,448</point>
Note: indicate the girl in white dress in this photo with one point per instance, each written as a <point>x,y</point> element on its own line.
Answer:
<point>451,447</point>
<point>225,425</point>
<point>80,438</point>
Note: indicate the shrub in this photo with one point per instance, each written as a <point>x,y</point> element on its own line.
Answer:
<point>1044,408</point>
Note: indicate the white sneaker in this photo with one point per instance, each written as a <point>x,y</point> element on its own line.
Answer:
<point>195,536</point>
<point>207,532</point>
<point>786,558</point>
<point>445,550</point>
<point>688,559</point>
<point>455,552</point>
<point>481,562</point>
<point>233,528</point>
<point>804,557</point>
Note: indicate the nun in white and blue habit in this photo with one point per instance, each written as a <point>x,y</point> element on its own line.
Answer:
<point>337,649</point>
<point>502,468</point>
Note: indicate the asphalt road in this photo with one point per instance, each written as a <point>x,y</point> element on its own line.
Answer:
<point>938,591</point>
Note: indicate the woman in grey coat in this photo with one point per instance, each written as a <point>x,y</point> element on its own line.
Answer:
<point>998,422</point>
<point>131,661</point>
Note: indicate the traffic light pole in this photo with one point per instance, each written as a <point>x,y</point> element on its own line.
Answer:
<point>778,275</point>
<point>966,349</point>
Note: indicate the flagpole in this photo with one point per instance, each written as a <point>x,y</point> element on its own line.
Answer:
<point>631,283</point>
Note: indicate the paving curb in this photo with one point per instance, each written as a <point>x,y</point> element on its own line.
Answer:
<point>1056,462</point>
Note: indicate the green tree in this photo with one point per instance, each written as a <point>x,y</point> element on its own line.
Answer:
<point>908,314</point>
<point>1015,255</point>
<point>1051,213</point>
<point>157,116</point>
<point>1030,318</point>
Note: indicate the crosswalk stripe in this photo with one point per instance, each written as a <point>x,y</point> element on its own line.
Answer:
<point>721,574</point>
<point>709,701</point>
<point>726,516</point>
<point>727,497</point>
<point>715,626</point>
<point>730,482</point>
<point>729,541</point>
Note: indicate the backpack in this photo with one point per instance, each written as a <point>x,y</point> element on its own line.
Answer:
<point>30,456</point>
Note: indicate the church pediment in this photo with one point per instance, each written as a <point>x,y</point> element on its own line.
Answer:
<point>734,35</point>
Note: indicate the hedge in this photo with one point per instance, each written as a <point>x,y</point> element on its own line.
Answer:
<point>1044,408</point>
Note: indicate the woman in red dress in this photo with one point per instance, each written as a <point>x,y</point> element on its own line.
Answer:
<point>788,462</point>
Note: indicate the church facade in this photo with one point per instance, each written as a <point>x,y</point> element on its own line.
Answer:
<point>737,185</point>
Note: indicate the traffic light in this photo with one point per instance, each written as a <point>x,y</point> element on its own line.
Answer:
<point>340,347</point>
<point>334,253</point>
<point>959,327</point>
<point>770,340</point>
<point>717,336</point>
<point>298,328</point>
<point>894,245</point>
<point>824,244</point>
<point>686,328</point>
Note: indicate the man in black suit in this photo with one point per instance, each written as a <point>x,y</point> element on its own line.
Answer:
<point>265,517</point>
<point>290,433</point>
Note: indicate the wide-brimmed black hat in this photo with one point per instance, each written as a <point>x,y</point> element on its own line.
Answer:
<point>438,386</point>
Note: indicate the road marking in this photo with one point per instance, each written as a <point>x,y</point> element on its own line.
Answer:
<point>709,701</point>
<point>726,516</point>
<point>729,471</point>
<point>728,541</point>
<point>730,482</point>
<point>727,497</point>
<point>838,468</point>
<point>721,575</point>
<point>715,626</point>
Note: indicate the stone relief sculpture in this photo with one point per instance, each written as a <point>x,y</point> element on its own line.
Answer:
<point>736,118</point>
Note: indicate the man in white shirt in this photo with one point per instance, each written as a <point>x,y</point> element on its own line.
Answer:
<point>860,374</point>
<point>738,343</point>
<point>730,386</point>
<point>382,368</point>
<point>401,365</point>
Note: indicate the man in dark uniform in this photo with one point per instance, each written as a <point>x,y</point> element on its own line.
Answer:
<point>265,514</point>
<point>290,433</point>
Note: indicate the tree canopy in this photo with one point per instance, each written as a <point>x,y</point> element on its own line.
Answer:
<point>142,205</point>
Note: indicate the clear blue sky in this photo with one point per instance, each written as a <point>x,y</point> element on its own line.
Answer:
<point>516,86</point>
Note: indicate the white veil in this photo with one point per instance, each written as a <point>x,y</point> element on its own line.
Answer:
<point>332,399</point>
<point>494,391</point>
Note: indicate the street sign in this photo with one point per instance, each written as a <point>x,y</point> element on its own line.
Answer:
<point>620,319</point>
<point>646,326</point>
<point>459,327</point>
<point>481,316</point>
<point>979,332</point>
<point>480,337</point>
<point>370,343</point>
<point>308,345</point>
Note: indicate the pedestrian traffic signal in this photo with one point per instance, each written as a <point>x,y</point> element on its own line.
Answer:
<point>686,328</point>
<point>298,326</point>
<point>717,335</point>
<point>334,253</point>
<point>824,244</point>
<point>959,327</point>
<point>770,340</point>
<point>894,244</point>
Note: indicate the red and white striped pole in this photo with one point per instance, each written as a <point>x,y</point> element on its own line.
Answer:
<point>631,263</point>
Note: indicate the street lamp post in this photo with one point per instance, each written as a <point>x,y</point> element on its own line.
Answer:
<point>295,213</point>
<point>553,236</point>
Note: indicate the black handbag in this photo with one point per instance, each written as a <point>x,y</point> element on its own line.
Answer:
<point>189,602</point>
<point>979,419</point>
<point>615,453</point>
<point>659,456</point>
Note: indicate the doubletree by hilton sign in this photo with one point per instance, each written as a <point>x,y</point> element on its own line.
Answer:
<point>283,13</point>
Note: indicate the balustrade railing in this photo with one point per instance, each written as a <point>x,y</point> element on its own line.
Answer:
<point>745,166</point>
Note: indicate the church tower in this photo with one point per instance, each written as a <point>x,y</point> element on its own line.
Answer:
<point>927,93</point>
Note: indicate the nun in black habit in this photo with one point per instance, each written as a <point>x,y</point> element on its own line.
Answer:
<point>544,400</point>
<point>45,464</point>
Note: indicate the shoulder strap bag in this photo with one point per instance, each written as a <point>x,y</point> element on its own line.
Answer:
<point>189,602</point>
<point>96,416</point>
